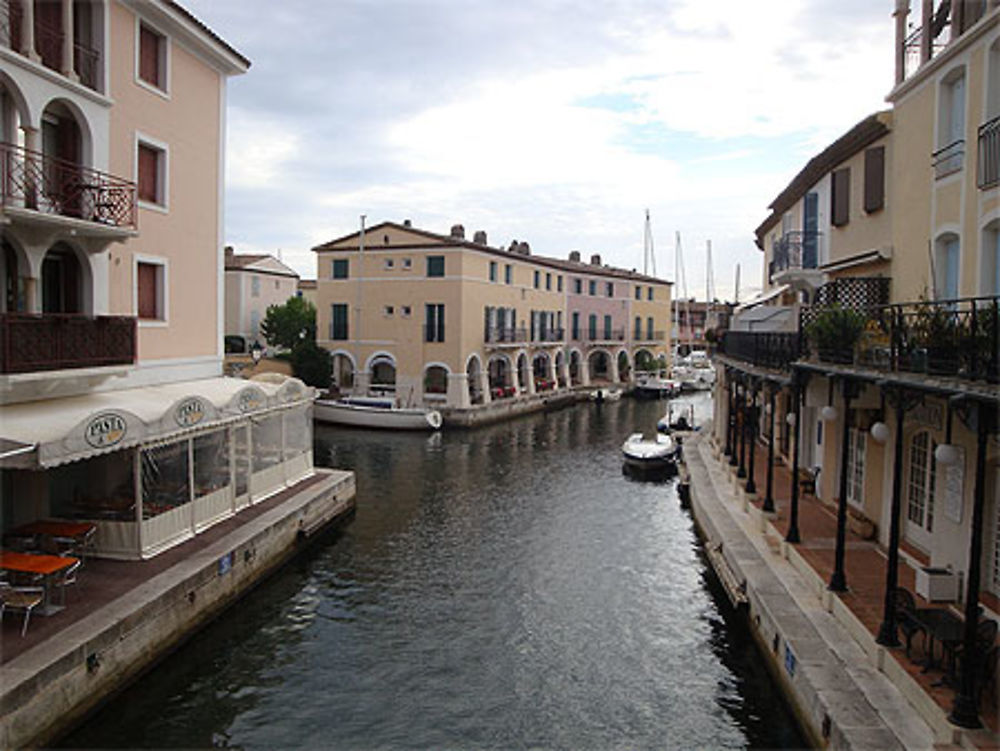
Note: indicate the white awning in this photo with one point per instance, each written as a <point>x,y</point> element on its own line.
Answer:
<point>78,427</point>
<point>874,255</point>
<point>762,298</point>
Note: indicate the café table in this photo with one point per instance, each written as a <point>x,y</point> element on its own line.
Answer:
<point>943,626</point>
<point>80,534</point>
<point>45,566</point>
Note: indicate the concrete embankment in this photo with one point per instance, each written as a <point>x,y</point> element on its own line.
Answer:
<point>50,687</point>
<point>832,683</point>
<point>505,409</point>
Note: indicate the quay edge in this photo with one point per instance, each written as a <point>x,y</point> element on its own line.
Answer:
<point>51,687</point>
<point>506,409</point>
<point>838,687</point>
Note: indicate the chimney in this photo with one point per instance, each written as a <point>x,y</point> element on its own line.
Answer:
<point>514,247</point>
<point>574,255</point>
<point>229,252</point>
<point>458,231</point>
<point>480,237</point>
<point>595,260</point>
<point>525,249</point>
<point>407,223</point>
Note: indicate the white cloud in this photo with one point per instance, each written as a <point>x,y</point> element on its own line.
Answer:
<point>258,150</point>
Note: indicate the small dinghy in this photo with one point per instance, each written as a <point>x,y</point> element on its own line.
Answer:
<point>606,395</point>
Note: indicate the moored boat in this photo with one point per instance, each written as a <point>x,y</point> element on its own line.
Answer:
<point>656,386</point>
<point>659,453</point>
<point>375,412</point>
<point>606,395</point>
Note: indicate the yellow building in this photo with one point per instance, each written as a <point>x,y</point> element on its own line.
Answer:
<point>442,320</point>
<point>879,325</point>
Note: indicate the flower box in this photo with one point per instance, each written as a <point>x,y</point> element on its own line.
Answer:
<point>936,584</point>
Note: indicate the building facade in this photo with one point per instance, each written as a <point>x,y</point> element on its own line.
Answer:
<point>112,405</point>
<point>254,282</point>
<point>875,342</point>
<point>442,320</point>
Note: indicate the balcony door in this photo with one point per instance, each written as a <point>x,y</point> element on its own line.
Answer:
<point>61,281</point>
<point>920,479</point>
<point>810,229</point>
<point>61,144</point>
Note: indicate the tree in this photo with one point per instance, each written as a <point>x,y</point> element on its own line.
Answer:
<point>289,324</point>
<point>312,364</point>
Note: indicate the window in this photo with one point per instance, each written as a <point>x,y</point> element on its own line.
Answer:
<point>609,289</point>
<point>508,274</point>
<point>559,283</point>
<point>149,287</point>
<point>592,326</point>
<point>537,279</point>
<point>151,173</point>
<point>578,286</point>
<point>340,268</point>
<point>951,124</point>
<point>874,178</point>
<point>152,57</point>
<point>338,321</point>
<point>493,271</point>
<point>407,263</point>
<point>434,322</point>
<point>592,287</point>
<point>405,311</point>
<point>387,310</point>
<point>649,329</point>
<point>435,265</point>
<point>920,483</point>
<point>548,281</point>
<point>576,324</point>
<point>255,286</point>
<point>946,267</point>
<point>840,197</point>
<point>638,327</point>
<point>649,293</point>
<point>638,292</point>
<point>607,327</point>
<point>389,263</point>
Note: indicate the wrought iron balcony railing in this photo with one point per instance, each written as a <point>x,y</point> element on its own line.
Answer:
<point>549,335</point>
<point>957,338</point>
<point>506,335</point>
<point>648,336</point>
<point>949,159</point>
<point>989,154</point>
<point>598,336</point>
<point>795,250</point>
<point>32,180</point>
<point>32,343</point>
<point>766,349</point>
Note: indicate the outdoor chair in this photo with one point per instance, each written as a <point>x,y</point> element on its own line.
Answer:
<point>24,599</point>
<point>985,658</point>
<point>67,579</point>
<point>906,617</point>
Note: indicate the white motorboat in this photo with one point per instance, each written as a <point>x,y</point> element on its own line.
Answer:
<point>659,453</point>
<point>606,395</point>
<point>656,386</point>
<point>375,412</point>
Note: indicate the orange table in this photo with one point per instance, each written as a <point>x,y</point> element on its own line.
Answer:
<point>53,527</point>
<point>31,563</point>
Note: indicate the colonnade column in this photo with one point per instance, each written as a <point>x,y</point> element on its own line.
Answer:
<point>751,486</point>
<point>734,457</point>
<point>69,41</point>
<point>768,505</point>
<point>965,712</point>
<point>28,30</point>
<point>838,579</point>
<point>741,472</point>
<point>792,536</point>
<point>484,385</point>
<point>729,414</point>
<point>887,635</point>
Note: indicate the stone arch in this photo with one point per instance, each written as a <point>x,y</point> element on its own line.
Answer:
<point>16,112</point>
<point>474,378</point>
<point>599,365</point>
<point>435,380</point>
<point>645,360</point>
<point>575,367</point>
<point>344,369</point>
<point>66,281</point>
<point>381,367</point>
<point>15,268</point>
<point>500,370</point>
<point>541,370</point>
<point>60,108</point>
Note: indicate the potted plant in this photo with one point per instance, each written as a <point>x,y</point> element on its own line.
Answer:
<point>938,332</point>
<point>833,332</point>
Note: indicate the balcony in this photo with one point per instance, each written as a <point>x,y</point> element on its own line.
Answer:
<point>989,154</point>
<point>35,343</point>
<point>596,337</point>
<point>650,337</point>
<point>500,335</point>
<point>549,336</point>
<point>796,255</point>
<point>949,159</point>
<point>766,349</point>
<point>952,338</point>
<point>34,182</point>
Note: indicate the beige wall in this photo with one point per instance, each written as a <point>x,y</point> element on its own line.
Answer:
<point>863,231</point>
<point>186,235</point>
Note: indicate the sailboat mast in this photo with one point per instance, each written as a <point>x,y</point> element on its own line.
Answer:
<point>648,259</point>
<point>358,273</point>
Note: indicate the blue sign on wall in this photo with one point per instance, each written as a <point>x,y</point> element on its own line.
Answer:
<point>226,563</point>
<point>789,660</point>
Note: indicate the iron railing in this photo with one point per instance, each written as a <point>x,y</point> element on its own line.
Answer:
<point>989,154</point>
<point>648,336</point>
<point>958,338</point>
<point>506,335</point>
<point>767,349</point>
<point>32,180</point>
<point>948,159</point>
<point>549,335</point>
<point>598,336</point>
<point>86,63</point>
<point>798,249</point>
<point>32,343</point>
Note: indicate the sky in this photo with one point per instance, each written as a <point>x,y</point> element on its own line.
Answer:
<point>547,121</point>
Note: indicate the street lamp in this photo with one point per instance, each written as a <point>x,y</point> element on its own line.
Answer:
<point>256,352</point>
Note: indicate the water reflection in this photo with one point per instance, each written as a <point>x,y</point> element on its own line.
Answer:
<point>499,587</point>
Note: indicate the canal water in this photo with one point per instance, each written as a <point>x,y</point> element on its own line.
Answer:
<point>505,587</point>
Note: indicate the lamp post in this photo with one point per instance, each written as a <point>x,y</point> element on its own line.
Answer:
<point>792,536</point>
<point>751,486</point>
<point>256,353</point>
<point>768,505</point>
